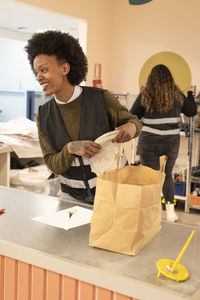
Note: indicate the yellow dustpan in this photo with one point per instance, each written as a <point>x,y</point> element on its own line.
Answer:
<point>172,269</point>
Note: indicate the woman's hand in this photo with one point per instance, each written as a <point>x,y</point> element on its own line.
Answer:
<point>84,148</point>
<point>126,133</point>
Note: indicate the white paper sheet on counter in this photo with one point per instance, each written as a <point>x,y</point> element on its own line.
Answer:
<point>68,218</point>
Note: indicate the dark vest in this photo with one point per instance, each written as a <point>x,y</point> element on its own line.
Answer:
<point>160,129</point>
<point>93,123</point>
<point>170,115</point>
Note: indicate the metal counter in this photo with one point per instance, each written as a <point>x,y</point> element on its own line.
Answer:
<point>67,251</point>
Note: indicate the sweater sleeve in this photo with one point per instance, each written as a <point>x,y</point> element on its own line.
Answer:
<point>189,107</point>
<point>119,114</point>
<point>57,162</point>
<point>137,109</point>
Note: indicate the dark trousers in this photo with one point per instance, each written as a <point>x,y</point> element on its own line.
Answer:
<point>150,148</point>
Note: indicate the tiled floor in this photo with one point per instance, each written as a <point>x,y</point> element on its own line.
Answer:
<point>191,219</point>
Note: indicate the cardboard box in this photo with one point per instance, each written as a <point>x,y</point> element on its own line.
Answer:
<point>195,200</point>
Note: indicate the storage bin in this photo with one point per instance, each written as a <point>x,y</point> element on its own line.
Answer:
<point>195,200</point>
<point>180,188</point>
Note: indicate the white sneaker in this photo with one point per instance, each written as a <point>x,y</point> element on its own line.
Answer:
<point>171,215</point>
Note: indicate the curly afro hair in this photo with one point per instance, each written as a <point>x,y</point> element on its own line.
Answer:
<point>64,47</point>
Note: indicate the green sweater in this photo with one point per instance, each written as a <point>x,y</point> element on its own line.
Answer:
<point>59,162</point>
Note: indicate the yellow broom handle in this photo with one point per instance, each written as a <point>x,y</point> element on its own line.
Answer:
<point>182,251</point>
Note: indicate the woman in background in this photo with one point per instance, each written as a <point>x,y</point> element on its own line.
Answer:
<point>159,106</point>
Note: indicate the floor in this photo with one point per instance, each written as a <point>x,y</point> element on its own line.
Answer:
<point>191,219</point>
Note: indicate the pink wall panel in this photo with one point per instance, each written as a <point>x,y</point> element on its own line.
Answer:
<point>10,278</point>
<point>122,297</point>
<point>1,277</point>
<point>24,281</point>
<point>104,294</point>
<point>70,288</point>
<point>54,286</point>
<point>87,291</point>
<point>38,283</point>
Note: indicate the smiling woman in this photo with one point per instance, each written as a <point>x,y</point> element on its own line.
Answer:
<point>75,116</point>
<point>51,75</point>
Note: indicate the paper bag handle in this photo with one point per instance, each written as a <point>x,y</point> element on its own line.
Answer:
<point>116,157</point>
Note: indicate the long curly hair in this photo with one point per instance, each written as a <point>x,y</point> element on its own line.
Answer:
<point>160,91</point>
<point>64,47</point>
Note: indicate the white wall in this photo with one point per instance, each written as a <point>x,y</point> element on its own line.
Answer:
<point>15,71</point>
<point>122,37</point>
<point>141,31</point>
<point>98,14</point>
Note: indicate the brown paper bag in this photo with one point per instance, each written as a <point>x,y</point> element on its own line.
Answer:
<point>127,209</point>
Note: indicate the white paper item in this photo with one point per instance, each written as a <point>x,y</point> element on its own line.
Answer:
<point>105,159</point>
<point>68,218</point>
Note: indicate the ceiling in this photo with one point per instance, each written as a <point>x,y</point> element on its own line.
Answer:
<point>26,19</point>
